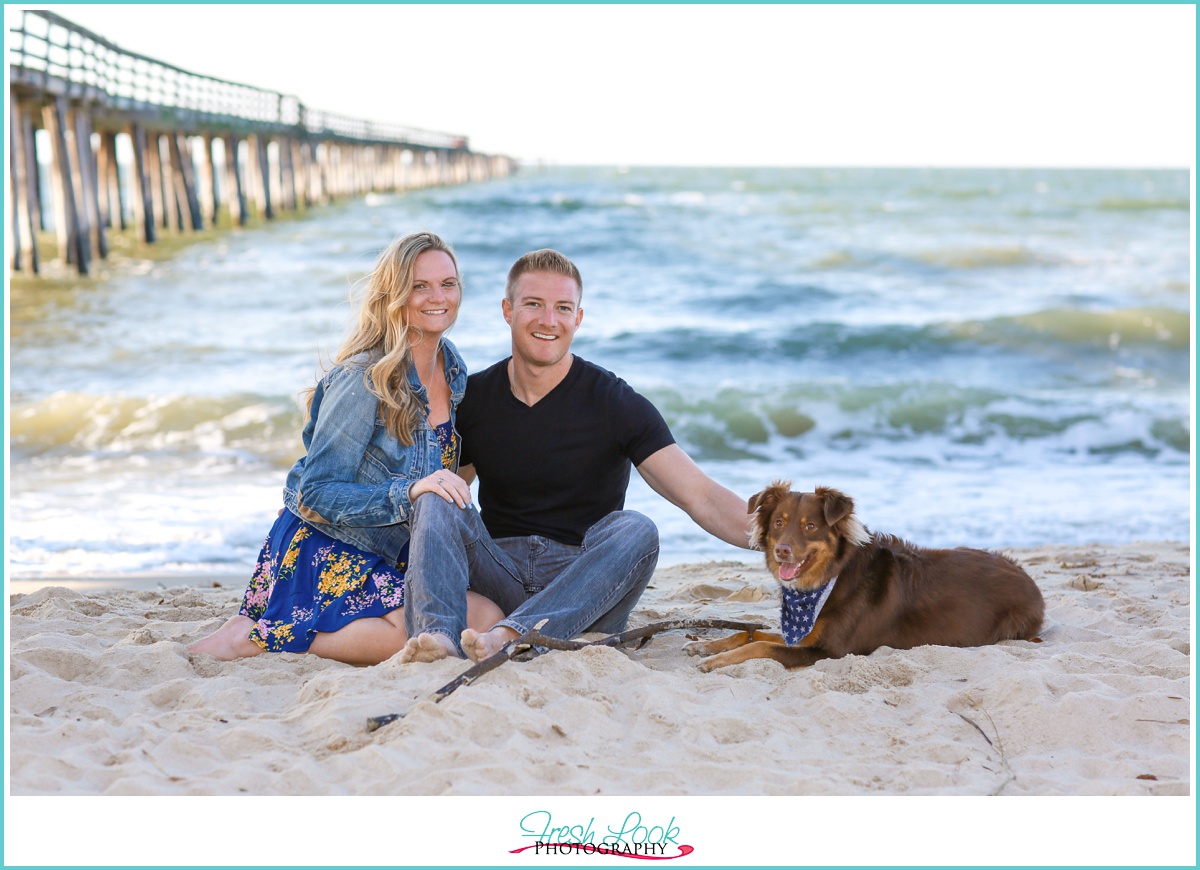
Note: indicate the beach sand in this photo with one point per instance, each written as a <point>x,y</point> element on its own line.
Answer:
<point>106,700</point>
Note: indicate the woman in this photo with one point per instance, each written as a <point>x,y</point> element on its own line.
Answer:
<point>380,433</point>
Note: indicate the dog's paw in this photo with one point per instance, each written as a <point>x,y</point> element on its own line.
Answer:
<point>709,664</point>
<point>720,660</point>
<point>699,648</point>
<point>724,659</point>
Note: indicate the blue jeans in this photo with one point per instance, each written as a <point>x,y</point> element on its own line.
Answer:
<point>592,587</point>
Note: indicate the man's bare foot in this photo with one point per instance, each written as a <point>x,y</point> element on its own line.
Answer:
<point>427,647</point>
<point>483,646</point>
<point>230,641</point>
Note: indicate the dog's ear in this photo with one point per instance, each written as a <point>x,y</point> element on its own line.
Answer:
<point>762,505</point>
<point>764,502</point>
<point>839,515</point>
<point>836,504</point>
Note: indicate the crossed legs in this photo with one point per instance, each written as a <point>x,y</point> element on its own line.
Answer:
<point>572,589</point>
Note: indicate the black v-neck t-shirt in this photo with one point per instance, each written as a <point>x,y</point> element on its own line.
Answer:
<point>559,467</point>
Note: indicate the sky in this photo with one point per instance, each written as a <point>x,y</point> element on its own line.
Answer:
<point>680,84</point>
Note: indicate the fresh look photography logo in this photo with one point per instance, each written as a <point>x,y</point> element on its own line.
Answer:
<point>631,838</point>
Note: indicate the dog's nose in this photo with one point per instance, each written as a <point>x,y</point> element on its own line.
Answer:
<point>783,553</point>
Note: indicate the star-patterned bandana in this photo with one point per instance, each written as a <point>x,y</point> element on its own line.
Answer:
<point>801,609</point>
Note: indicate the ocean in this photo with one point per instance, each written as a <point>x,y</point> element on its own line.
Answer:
<point>993,358</point>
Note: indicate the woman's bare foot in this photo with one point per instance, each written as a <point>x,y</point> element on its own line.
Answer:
<point>230,641</point>
<point>483,646</point>
<point>427,647</point>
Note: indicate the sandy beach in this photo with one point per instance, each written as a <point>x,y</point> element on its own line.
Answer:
<point>106,700</point>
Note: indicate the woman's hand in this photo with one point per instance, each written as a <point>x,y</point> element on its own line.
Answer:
<point>447,484</point>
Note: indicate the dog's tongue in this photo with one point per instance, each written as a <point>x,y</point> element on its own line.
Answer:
<point>787,570</point>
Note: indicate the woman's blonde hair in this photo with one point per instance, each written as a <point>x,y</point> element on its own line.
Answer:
<point>382,327</point>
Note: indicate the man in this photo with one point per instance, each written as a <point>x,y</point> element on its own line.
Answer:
<point>552,439</point>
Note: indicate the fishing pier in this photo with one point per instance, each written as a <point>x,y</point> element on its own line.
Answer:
<point>195,147</point>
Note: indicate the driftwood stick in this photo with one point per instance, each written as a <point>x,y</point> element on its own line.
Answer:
<point>534,637</point>
<point>645,632</point>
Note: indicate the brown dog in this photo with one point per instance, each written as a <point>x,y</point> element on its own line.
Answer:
<point>886,592</point>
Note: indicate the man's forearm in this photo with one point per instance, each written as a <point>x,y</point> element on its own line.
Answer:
<point>723,515</point>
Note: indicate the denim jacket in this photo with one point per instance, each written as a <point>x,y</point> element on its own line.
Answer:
<point>353,482</point>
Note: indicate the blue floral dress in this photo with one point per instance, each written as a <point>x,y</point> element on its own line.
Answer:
<point>306,581</point>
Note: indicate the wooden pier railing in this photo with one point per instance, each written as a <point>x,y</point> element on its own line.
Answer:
<point>196,146</point>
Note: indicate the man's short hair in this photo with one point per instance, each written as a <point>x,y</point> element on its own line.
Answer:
<point>545,260</point>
